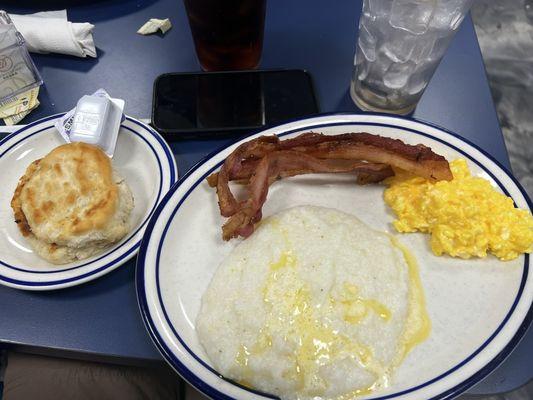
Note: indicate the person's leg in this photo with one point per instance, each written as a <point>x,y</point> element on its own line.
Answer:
<point>46,378</point>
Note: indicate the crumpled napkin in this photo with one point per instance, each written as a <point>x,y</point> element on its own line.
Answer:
<point>51,32</point>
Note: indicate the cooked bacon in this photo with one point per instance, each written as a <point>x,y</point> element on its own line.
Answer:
<point>261,161</point>
<point>417,159</point>
<point>377,174</point>
<point>281,164</point>
<point>256,148</point>
<point>246,170</point>
<point>420,160</point>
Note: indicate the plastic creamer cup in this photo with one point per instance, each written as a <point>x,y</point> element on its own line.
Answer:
<point>95,120</point>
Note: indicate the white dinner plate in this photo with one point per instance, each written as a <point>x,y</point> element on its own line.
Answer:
<point>141,156</point>
<point>479,308</point>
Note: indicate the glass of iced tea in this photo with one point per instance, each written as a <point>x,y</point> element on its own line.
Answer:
<point>228,34</point>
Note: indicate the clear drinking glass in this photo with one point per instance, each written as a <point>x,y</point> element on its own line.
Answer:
<point>400,44</point>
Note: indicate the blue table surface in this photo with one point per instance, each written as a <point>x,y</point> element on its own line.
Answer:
<point>100,320</point>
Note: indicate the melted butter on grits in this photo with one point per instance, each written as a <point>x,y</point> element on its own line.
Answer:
<point>314,305</point>
<point>466,216</point>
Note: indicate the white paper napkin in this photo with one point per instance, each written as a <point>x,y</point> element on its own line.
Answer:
<point>51,32</point>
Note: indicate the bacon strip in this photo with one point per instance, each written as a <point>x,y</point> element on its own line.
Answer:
<point>376,173</point>
<point>420,160</point>
<point>284,163</point>
<point>261,161</point>
<point>243,173</point>
<point>253,149</point>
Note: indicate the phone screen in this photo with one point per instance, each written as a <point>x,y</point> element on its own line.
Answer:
<point>230,101</point>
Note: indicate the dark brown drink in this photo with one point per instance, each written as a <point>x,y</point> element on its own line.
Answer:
<point>228,34</point>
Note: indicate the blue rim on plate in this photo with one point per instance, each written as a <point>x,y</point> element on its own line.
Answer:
<point>172,168</point>
<point>212,391</point>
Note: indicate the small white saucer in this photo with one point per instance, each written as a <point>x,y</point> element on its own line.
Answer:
<point>142,157</point>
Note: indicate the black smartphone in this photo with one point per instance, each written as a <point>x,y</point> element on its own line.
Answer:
<point>211,104</point>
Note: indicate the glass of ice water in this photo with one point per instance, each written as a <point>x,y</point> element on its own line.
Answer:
<point>400,44</point>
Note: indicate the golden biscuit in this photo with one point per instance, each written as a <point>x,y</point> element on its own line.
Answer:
<point>72,199</point>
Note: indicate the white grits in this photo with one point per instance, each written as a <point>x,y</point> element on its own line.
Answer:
<point>313,305</point>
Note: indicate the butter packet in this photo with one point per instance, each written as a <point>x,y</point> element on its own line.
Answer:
<point>95,120</point>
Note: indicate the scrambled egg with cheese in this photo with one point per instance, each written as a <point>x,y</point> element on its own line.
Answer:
<point>466,217</point>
